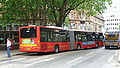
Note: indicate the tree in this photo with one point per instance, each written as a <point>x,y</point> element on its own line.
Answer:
<point>24,10</point>
<point>55,11</point>
<point>59,9</point>
<point>93,7</point>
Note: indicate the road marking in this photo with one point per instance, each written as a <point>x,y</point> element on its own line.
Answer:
<point>90,53</point>
<point>74,60</point>
<point>116,53</point>
<point>39,61</point>
<point>110,59</point>
<point>13,60</point>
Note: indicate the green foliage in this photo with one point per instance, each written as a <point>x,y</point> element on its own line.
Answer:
<point>56,11</point>
<point>67,21</point>
<point>93,7</point>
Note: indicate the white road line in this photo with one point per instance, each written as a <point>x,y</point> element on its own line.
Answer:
<point>116,53</point>
<point>110,59</point>
<point>90,53</point>
<point>39,61</point>
<point>118,56</point>
<point>13,60</point>
<point>74,60</point>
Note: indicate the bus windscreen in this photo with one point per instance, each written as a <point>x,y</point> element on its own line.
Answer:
<point>28,32</point>
<point>111,35</point>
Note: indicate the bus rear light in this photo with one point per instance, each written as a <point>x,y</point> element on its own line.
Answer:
<point>38,42</point>
<point>37,48</point>
<point>106,43</point>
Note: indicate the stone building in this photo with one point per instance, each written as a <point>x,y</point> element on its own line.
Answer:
<point>85,23</point>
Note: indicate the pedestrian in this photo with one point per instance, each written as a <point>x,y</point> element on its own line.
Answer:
<point>8,47</point>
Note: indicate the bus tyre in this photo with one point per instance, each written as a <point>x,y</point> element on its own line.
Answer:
<point>56,49</point>
<point>97,45</point>
<point>106,47</point>
<point>78,47</point>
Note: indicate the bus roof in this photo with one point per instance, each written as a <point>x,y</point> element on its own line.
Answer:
<point>52,27</point>
<point>83,31</point>
<point>60,28</point>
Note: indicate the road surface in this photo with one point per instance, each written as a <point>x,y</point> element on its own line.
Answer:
<point>84,58</point>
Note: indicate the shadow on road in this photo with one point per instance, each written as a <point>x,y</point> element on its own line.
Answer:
<point>50,53</point>
<point>112,49</point>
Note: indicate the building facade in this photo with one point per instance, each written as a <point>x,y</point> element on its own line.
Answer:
<point>85,23</point>
<point>112,17</point>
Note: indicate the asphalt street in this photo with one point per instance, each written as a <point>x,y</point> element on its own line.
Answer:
<point>85,58</point>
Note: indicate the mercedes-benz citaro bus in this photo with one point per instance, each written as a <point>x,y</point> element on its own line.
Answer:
<point>55,39</point>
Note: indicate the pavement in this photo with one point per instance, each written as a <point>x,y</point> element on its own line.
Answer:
<point>119,56</point>
<point>3,53</point>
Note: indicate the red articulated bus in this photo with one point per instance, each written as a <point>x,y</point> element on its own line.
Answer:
<point>85,39</point>
<point>54,39</point>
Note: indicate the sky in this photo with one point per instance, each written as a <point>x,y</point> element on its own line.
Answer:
<point>114,9</point>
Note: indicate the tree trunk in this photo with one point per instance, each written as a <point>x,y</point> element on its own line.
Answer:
<point>62,14</point>
<point>61,19</point>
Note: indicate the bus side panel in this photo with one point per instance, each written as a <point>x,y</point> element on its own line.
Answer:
<point>87,44</point>
<point>64,46</point>
<point>49,46</point>
<point>100,43</point>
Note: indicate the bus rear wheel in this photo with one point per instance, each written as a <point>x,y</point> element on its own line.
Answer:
<point>97,45</point>
<point>78,47</point>
<point>107,47</point>
<point>56,49</point>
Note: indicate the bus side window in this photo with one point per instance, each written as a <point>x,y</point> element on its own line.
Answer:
<point>84,38</point>
<point>56,37</point>
<point>67,38</point>
<point>63,37</point>
<point>43,35</point>
<point>49,36</point>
